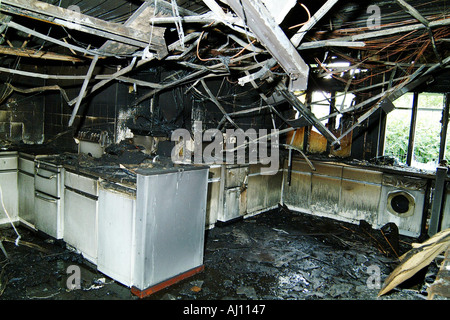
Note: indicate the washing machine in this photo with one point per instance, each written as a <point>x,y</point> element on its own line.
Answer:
<point>402,202</point>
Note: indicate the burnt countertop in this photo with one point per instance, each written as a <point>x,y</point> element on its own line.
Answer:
<point>119,169</point>
<point>376,165</point>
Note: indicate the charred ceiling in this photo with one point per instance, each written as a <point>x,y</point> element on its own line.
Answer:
<point>374,50</point>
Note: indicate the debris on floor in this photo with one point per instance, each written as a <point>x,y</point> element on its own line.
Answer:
<point>277,255</point>
<point>440,288</point>
<point>416,259</point>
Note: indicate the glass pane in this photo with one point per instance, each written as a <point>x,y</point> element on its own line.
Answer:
<point>428,130</point>
<point>397,128</point>
<point>320,105</point>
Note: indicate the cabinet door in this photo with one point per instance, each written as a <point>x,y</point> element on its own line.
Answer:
<point>116,217</point>
<point>26,198</point>
<point>80,224</point>
<point>48,215</point>
<point>10,197</point>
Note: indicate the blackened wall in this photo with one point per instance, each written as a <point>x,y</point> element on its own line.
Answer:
<point>21,115</point>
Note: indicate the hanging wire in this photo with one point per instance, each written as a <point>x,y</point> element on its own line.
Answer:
<point>309,17</point>
<point>9,217</point>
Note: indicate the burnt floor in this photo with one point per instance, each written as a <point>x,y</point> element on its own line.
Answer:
<point>278,255</point>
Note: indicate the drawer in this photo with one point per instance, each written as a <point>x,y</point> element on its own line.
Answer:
<point>26,165</point>
<point>48,215</point>
<point>80,224</point>
<point>48,182</point>
<point>8,161</point>
<point>82,183</point>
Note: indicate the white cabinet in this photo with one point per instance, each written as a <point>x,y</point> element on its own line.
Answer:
<point>9,187</point>
<point>153,235</point>
<point>80,213</point>
<point>49,198</point>
<point>116,234</point>
<point>26,190</point>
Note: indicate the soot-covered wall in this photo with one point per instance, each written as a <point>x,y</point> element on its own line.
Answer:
<point>21,114</point>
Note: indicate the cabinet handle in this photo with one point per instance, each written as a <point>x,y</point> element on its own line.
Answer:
<point>48,178</point>
<point>39,196</point>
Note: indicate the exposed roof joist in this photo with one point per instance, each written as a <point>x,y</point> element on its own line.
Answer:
<point>91,25</point>
<point>413,12</point>
<point>263,25</point>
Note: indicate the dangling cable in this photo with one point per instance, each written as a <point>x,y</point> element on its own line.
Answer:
<point>7,214</point>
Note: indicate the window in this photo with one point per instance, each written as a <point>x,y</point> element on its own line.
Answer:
<point>426,133</point>
<point>320,105</point>
<point>397,128</point>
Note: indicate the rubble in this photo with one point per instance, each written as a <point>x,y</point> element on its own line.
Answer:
<point>311,258</point>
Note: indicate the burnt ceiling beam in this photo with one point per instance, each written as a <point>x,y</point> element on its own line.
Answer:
<point>298,37</point>
<point>386,32</point>
<point>114,76</point>
<point>37,54</point>
<point>308,115</point>
<point>260,21</point>
<point>295,40</point>
<point>413,12</point>
<point>138,21</point>
<point>166,7</point>
<point>84,23</point>
<point>216,9</point>
<point>104,82</point>
<point>83,90</point>
<point>42,36</point>
<point>120,73</point>
<point>416,14</point>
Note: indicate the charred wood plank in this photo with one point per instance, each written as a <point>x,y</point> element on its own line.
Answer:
<point>81,22</point>
<point>83,90</point>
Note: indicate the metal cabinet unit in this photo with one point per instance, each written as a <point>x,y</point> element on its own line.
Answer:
<point>215,195</point>
<point>326,189</point>
<point>348,193</point>
<point>296,191</point>
<point>360,194</point>
<point>152,234</point>
<point>9,187</point>
<point>263,192</point>
<point>170,226</point>
<point>80,213</point>
<point>49,197</point>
